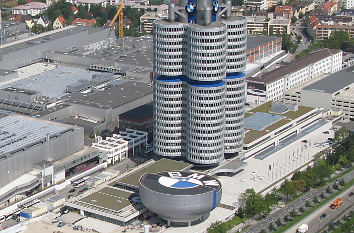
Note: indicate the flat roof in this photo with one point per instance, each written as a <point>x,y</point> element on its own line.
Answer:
<point>138,114</point>
<point>334,82</point>
<point>254,41</point>
<point>19,90</point>
<point>53,83</point>
<point>159,166</point>
<point>20,132</point>
<point>6,72</point>
<point>112,97</point>
<point>108,199</point>
<point>252,134</point>
<point>295,66</point>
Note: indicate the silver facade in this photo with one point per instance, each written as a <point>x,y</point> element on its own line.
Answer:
<point>199,84</point>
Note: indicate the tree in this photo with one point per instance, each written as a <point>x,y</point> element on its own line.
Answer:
<point>38,28</point>
<point>263,231</point>
<point>252,204</point>
<point>237,2</point>
<point>293,20</point>
<point>328,190</point>
<point>299,185</point>
<point>156,2</point>
<point>21,2</point>
<point>335,186</point>
<point>293,213</point>
<point>301,209</point>
<point>271,227</point>
<point>278,222</point>
<point>301,15</point>
<point>288,188</point>
<point>342,182</point>
<point>315,199</point>
<point>308,204</point>
<point>287,43</point>
<point>322,196</point>
<point>83,13</point>
<point>286,218</point>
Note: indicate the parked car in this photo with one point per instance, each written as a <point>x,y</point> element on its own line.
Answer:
<point>72,190</point>
<point>323,216</point>
<point>350,194</point>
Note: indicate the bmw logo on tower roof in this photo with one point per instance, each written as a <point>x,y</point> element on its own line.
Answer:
<point>215,6</point>
<point>191,7</point>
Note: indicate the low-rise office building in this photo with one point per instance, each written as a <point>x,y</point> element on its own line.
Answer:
<point>268,25</point>
<point>270,124</point>
<point>260,46</point>
<point>119,146</point>
<point>31,8</point>
<point>335,92</point>
<point>272,85</point>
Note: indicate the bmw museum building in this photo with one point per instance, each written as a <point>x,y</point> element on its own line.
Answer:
<point>180,197</point>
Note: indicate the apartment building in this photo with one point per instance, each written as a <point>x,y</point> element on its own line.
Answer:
<point>147,20</point>
<point>287,11</point>
<point>322,28</point>
<point>334,92</point>
<point>272,85</point>
<point>267,25</point>
<point>32,8</point>
<point>257,4</point>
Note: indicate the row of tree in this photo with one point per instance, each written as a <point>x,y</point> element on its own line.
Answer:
<point>342,154</point>
<point>338,40</point>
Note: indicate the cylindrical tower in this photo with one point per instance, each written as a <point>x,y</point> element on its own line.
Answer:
<point>199,54</point>
<point>235,84</point>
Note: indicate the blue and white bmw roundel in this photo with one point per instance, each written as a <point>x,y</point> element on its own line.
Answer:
<point>215,6</point>
<point>179,182</point>
<point>191,7</point>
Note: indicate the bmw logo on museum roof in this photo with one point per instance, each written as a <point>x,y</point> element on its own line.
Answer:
<point>181,182</point>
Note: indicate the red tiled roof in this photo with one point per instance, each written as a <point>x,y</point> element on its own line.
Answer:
<point>74,9</point>
<point>283,9</point>
<point>328,5</point>
<point>61,19</point>
<point>85,22</point>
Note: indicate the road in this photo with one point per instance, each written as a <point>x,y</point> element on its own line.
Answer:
<point>315,221</point>
<point>295,205</point>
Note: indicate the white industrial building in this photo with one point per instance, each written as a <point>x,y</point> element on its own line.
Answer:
<point>272,85</point>
<point>335,92</point>
<point>116,148</point>
<point>32,8</point>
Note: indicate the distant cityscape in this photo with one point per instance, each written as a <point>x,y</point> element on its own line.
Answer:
<point>176,116</point>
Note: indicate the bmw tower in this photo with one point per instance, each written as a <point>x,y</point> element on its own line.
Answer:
<point>199,87</point>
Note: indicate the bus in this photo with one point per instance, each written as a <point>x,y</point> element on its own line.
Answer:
<point>79,183</point>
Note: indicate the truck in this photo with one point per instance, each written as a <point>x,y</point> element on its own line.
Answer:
<point>303,228</point>
<point>336,203</point>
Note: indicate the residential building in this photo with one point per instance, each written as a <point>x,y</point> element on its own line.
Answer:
<point>279,26</point>
<point>272,85</point>
<point>199,84</point>
<point>74,10</point>
<point>321,28</point>
<point>44,21</point>
<point>257,4</point>
<point>32,8</point>
<point>147,20</point>
<point>257,25</point>
<point>334,92</point>
<point>84,22</point>
<point>89,3</point>
<point>59,22</point>
<point>328,8</point>
<point>267,25</point>
<point>286,11</point>
<point>260,46</point>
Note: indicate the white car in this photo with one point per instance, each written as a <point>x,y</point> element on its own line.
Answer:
<point>253,173</point>
<point>243,179</point>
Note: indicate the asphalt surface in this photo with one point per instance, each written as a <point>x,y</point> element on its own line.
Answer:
<point>316,222</point>
<point>295,205</point>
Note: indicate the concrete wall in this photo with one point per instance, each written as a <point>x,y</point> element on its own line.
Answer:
<point>57,148</point>
<point>315,99</point>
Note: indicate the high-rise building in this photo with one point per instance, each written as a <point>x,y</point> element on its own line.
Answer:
<point>199,87</point>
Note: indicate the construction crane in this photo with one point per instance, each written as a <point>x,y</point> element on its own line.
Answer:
<point>119,14</point>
